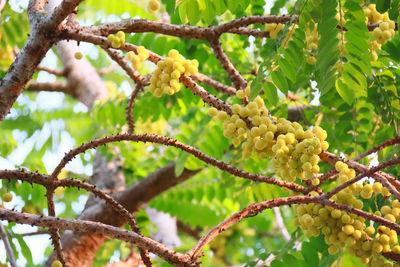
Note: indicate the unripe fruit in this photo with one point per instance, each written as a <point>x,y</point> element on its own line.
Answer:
<point>56,263</point>
<point>7,197</point>
<point>78,55</point>
<point>333,250</point>
<point>153,6</point>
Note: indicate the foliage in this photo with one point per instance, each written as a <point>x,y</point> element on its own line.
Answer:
<point>354,99</point>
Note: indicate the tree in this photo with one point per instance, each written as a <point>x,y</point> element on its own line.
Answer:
<point>303,100</point>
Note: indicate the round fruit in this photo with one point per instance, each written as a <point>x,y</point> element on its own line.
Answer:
<point>56,263</point>
<point>7,197</point>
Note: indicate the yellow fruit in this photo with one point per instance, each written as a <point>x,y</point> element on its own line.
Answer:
<point>7,197</point>
<point>78,55</point>
<point>333,250</point>
<point>153,6</point>
<point>56,263</point>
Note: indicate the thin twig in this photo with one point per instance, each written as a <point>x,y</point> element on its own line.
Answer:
<point>56,72</point>
<point>234,75</point>
<point>9,251</point>
<point>280,223</point>
<point>54,232</point>
<point>132,73</point>
<point>376,148</point>
<point>129,109</point>
<point>226,89</point>
<point>368,172</point>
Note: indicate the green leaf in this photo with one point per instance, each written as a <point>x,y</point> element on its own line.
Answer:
<point>24,248</point>
<point>257,83</point>
<point>182,10</point>
<point>280,80</point>
<point>310,254</point>
<point>192,10</point>
<point>344,91</point>
<point>271,94</point>
<point>183,156</point>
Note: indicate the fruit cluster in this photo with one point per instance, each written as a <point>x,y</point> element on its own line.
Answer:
<point>293,151</point>
<point>342,229</point>
<point>117,40</point>
<point>312,45</point>
<point>137,59</point>
<point>383,33</point>
<point>153,6</point>
<point>165,79</point>
<point>274,29</point>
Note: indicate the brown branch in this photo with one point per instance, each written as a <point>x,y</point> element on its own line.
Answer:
<point>39,232</point>
<point>56,72</point>
<point>245,21</point>
<point>226,89</point>
<point>129,109</point>
<point>332,159</point>
<point>368,172</point>
<point>6,242</point>
<point>62,11</point>
<point>252,32</point>
<point>376,148</point>
<point>132,73</point>
<point>57,86</point>
<point>54,232</point>
<point>22,69</point>
<point>172,142</point>
<point>234,75</point>
<point>95,227</point>
<point>153,57</point>
<point>255,208</point>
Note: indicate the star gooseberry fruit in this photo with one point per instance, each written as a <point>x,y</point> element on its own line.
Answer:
<point>7,197</point>
<point>56,263</point>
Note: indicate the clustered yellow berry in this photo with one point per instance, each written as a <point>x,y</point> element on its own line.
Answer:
<point>293,151</point>
<point>7,197</point>
<point>347,230</point>
<point>312,45</point>
<point>165,79</point>
<point>137,59</point>
<point>78,55</point>
<point>383,33</point>
<point>117,40</point>
<point>153,6</point>
<point>274,29</point>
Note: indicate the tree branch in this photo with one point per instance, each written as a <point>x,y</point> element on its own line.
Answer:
<point>99,228</point>
<point>6,242</point>
<point>172,142</point>
<point>234,75</point>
